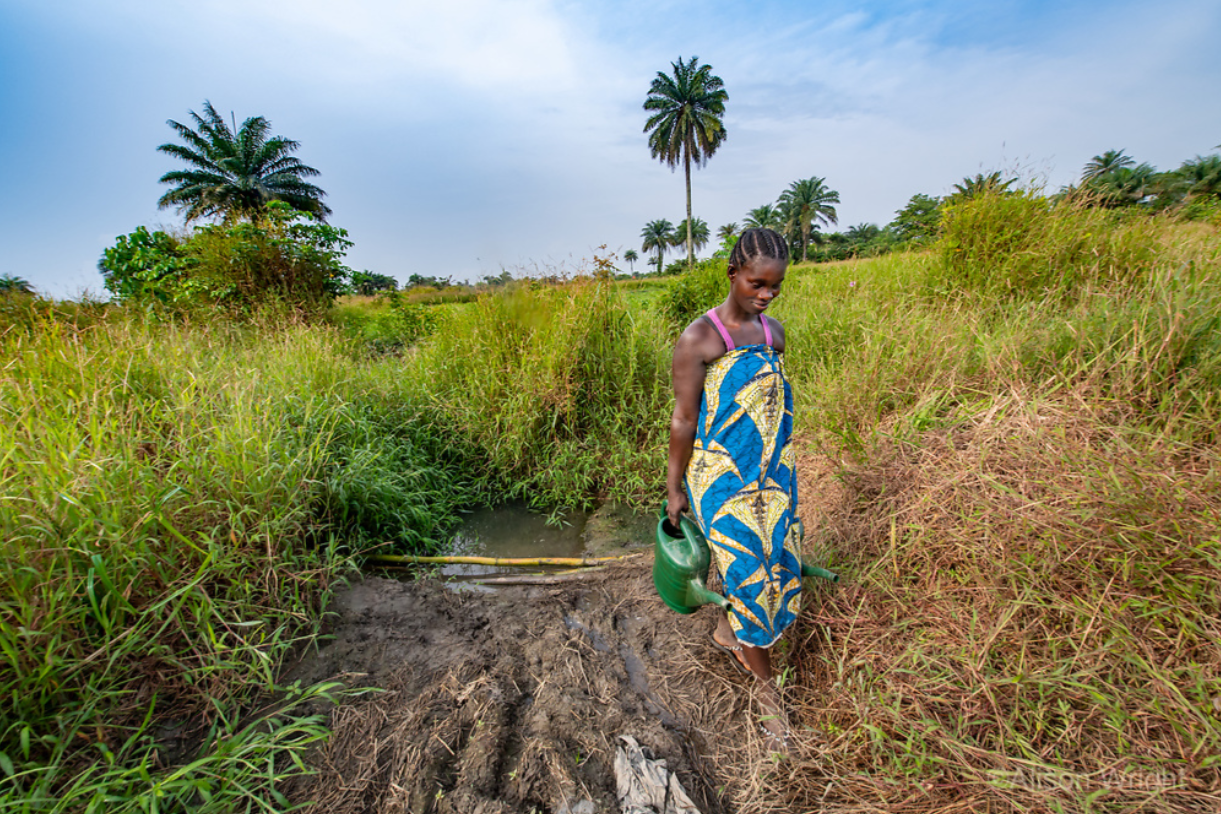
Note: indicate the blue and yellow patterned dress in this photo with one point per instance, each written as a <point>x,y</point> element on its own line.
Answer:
<point>742,487</point>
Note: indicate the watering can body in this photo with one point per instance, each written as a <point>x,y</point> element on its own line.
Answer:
<point>680,566</point>
<point>681,559</point>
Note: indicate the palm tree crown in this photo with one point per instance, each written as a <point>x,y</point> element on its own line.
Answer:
<point>1201,176</point>
<point>1109,161</point>
<point>686,124</point>
<point>698,231</point>
<point>990,184</point>
<point>764,217</point>
<point>805,203</point>
<point>657,235</point>
<point>1123,185</point>
<point>12,284</point>
<point>235,174</point>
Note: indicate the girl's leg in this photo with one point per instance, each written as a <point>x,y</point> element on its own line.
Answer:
<point>774,720</point>
<point>724,633</point>
<point>760,661</point>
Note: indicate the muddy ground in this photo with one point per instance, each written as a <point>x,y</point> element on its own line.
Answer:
<point>512,701</point>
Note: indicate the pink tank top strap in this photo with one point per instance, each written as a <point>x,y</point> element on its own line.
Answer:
<point>767,332</point>
<point>716,322</point>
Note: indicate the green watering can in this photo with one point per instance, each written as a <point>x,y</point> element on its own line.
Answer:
<point>680,566</point>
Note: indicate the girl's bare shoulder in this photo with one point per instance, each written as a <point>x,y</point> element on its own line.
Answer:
<point>777,332</point>
<point>700,340</point>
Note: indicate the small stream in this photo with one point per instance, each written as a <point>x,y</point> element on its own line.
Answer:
<point>512,531</point>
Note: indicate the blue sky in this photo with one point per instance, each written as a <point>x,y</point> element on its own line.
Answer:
<point>463,138</point>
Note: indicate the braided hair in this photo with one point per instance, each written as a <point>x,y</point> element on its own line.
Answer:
<point>755,243</point>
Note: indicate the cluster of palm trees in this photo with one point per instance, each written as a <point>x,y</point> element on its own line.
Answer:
<point>658,235</point>
<point>1114,179</point>
<point>799,211</point>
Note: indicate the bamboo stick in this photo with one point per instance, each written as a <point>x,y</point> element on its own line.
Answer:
<point>576,562</point>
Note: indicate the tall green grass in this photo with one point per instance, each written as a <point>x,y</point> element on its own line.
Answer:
<point>562,390</point>
<point>172,500</point>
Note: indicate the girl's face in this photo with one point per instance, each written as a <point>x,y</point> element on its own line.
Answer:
<point>754,285</point>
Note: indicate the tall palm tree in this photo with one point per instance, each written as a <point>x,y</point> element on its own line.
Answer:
<point>631,257</point>
<point>698,233</point>
<point>805,203</point>
<point>657,235</point>
<point>235,174</point>
<point>727,231</point>
<point>686,124</point>
<point>1109,161</point>
<point>764,217</point>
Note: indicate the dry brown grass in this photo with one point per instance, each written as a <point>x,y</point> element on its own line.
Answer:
<point>1029,621</point>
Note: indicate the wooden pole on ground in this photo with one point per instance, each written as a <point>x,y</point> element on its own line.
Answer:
<point>500,562</point>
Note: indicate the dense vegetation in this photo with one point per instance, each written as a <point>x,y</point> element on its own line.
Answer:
<point>280,258</point>
<point>1024,420</point>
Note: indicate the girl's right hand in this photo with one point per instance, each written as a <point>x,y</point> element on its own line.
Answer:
<point>676,504</point>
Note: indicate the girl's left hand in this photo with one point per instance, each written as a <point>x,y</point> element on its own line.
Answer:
<point>676,504</point>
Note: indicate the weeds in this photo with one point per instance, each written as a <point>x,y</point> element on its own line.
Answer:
<point>1024,423</point>
<point>170,497</point>
<point>563,391</point>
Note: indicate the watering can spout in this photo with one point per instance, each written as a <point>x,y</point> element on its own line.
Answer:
<point>698,595</point>
<point>815,571</point>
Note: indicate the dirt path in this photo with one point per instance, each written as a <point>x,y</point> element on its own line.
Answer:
<point>512,701</point>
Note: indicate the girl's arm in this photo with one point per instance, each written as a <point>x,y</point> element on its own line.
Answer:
<point>687,373</point>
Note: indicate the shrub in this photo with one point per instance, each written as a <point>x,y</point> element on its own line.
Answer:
<point>1021,245</point>
<point>694,292</point>
<point>285,258</point>
<point>412,321</point>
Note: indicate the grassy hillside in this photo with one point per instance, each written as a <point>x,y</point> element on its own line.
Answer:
<point>1023,425</point>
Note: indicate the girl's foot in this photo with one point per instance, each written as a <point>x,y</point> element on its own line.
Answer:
<point>734,651</point>
<point>773,720</point>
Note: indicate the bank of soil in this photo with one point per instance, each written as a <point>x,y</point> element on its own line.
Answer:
<point>512,701</point>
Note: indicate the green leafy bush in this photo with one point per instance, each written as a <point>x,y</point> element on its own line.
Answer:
<point>694,292</point>
<point>412,321</point>
<point>285,258</point>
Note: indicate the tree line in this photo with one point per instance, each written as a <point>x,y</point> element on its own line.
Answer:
<point>265,210</point>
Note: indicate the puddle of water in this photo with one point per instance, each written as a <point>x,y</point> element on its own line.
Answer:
<point>513,531</point>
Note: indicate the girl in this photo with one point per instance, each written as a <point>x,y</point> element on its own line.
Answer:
<point>729,447</point>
